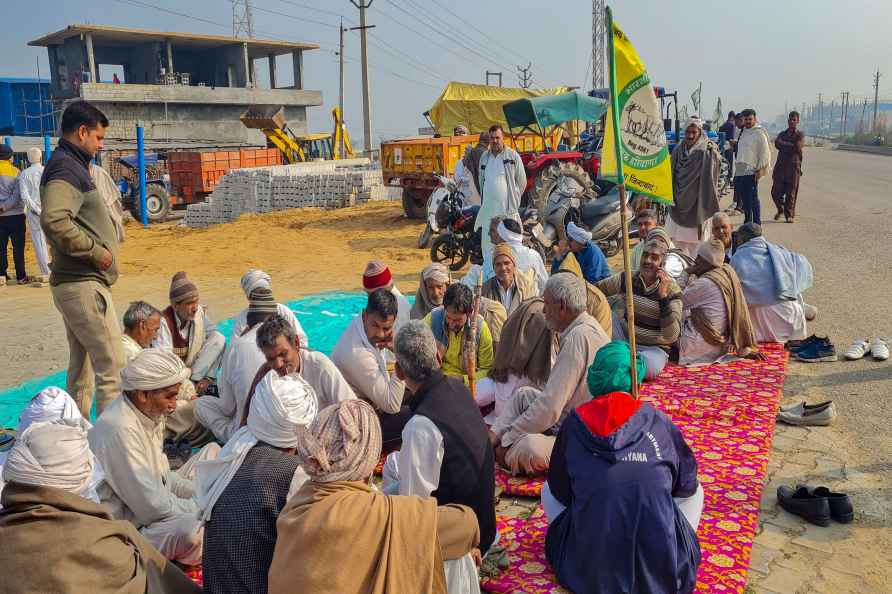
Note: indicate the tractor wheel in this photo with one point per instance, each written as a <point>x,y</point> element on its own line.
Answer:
<point>157,204</point>
<point>548,177</point>
<point>415,202</point>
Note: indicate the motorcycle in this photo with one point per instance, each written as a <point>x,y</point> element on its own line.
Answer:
<point>458,241</point>
<point>570,201</point>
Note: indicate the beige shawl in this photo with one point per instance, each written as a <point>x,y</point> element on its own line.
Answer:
<point>742,336</point>
<point>343,537</point>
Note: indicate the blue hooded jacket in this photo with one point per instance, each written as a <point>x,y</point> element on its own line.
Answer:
<point>617,463</point>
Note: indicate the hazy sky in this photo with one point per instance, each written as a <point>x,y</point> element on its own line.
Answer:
<point>774,53</point>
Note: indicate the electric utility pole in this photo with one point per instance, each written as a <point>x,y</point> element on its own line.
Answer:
<point>341,31</point>
<point>845,111</point>
<point>876,94</point>
<point>497,75</point>
<point>525,75</point>
<point>366,99</point>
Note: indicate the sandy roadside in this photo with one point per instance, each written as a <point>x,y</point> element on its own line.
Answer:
<point>306,251</point>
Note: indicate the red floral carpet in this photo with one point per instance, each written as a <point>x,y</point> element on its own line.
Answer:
<point>727,414</point>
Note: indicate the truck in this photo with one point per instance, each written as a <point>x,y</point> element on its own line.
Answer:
<point>415,163</point>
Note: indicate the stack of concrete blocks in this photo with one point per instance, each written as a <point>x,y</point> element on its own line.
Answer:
<point>319,184</point>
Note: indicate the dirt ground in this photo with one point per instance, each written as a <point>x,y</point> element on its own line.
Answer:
<point>305,251</point>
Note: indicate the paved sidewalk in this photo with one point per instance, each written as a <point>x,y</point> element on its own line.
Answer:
<point>791,556</point>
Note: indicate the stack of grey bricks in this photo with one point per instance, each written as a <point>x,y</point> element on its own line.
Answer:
<point>321,184</point>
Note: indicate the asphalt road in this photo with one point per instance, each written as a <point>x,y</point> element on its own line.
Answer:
<point>843,227</point>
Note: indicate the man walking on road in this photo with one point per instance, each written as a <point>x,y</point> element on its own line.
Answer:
<point>29,189</point>
<point>787,169</point>
<point>502,181</point>
<point>12,218</point>
<point>751,164</point>
<point>729,130</point>
<point>84,241</point>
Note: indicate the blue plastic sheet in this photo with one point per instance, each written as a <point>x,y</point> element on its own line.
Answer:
<point>324,317</point>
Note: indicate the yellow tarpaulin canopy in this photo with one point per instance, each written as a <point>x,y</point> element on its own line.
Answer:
<point>478,106</point>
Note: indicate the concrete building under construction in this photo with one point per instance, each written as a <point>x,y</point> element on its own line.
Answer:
<point>187,89</point>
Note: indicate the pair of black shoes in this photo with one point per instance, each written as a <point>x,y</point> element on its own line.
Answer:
<point>817,506</point>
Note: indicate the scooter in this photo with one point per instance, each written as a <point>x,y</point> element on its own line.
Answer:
<point>569,201</point>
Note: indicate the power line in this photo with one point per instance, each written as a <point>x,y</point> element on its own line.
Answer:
<point>486,59</point>
<point>483,33</point>
<point>458,32</point>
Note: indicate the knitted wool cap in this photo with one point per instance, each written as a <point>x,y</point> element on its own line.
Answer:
<point>262,301</point>
<point>376,275</point>
<point>182,289</point>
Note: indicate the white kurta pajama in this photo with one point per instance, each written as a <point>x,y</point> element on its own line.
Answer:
<point>364,366</point>
<point>223,414</point>
<point>779,322</point>
<point>29,189</point>
<point>139,485</point>
<point>501,187</point>
<point>689,238</point>
<point>415,470</point>
<point>532,412</point>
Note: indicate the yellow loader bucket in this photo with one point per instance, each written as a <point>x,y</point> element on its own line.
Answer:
<point>264,117</point>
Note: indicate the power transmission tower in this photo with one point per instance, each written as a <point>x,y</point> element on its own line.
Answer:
<point>497,75</point>
<point>599,45</point>
<point>876,95</point>
<point>525,75</point>
<point>366,98</point>
<point>242,19</point>
<point>820,111</point>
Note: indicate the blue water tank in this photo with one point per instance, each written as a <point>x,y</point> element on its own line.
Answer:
<point>26,108</point>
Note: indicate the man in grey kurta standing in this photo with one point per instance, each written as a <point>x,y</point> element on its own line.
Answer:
<point>502,182</point>
<point>84,244</point>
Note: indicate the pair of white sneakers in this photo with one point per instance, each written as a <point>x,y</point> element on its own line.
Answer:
<point>877,348</point>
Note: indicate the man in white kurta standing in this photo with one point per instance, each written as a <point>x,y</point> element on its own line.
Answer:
<point>502,182</point>
<point>29,190</point>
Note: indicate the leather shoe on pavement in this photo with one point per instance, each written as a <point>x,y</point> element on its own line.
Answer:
<point>812,508</point>
<point>841,508</point>
<point>821,416</point>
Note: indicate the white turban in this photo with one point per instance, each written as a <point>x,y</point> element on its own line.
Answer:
<point>281,406</point>
<point>50,404</point>
<point>254,279</point>
<point>577,233</point>
<point>55,454</point>
<point>153,369</point>
<point>34,155</point>
<point>507,234</point>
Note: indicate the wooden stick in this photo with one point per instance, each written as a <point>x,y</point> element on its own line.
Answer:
<point>630,302</point>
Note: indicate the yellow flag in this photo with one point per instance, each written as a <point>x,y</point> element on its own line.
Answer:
<point>638,154</point>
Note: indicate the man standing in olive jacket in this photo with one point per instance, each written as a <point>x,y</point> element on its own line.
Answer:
<point>84,242</point>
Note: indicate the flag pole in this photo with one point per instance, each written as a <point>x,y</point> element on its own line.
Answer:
<point>627,256</point>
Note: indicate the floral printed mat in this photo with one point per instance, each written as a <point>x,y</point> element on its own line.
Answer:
<point>727,413</point>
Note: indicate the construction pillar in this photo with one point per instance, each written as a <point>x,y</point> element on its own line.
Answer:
<point>247,61</point>
<point>272,70</point>
<point>91,59</point>
<point>297,60</point>
<point>169,56</point>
